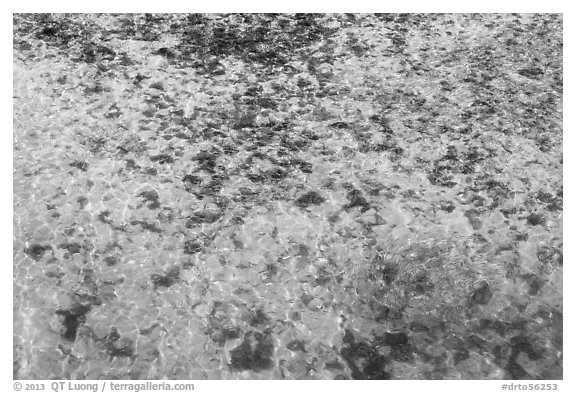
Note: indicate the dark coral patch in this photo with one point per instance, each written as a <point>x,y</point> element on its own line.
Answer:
<point>531,72</point>
<point>110,260</point>
<point>157,85</point>
<point>113,112</point>
<point>400,348</point>
<point>191,182</point>
<point>389,273</point>
<point>421,283</point>
<point>276,174</point>
<point>482,294</point>
<point>473,218</point>
<point>36,251</point>
<point>447,206</point>
<point>395,338</point>
<point>402,353</point>
<point>255,353</point>
<point>168,279</point>
<point>356,199</point>
<point>258,317</point>
<point>534,283</point>
<point>151,197</point>
<point>166,52</point>
<point>203,217</point>
<point>72,248</point>
<point>363,359</point>
<point>340,125</point>
<point>461,355</point>
<point>304,166</point>
<point>296,345</point>
<point>515,371</point>
<point>220,326</point>
<point>549,255</point>
<point>83,201</point>
<point>83,166</point>
<point>162,159</point>
<point>442,176</point>
<point>192,247</point>
<point>501,327</point>
<point>536,219</point>
<point>150,227</point>
<point>309,198</point>
<point>554,203</point>
<point>73,318</point>
<point>206,161</point>
<point>116,346</point>
<point>524,344</point>
<point>94,52</point>
<point>104,217</point>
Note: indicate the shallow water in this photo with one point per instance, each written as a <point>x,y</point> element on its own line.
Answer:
<point>367,197</point>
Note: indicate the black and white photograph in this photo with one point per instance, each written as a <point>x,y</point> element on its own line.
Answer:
<point>289,196</point>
